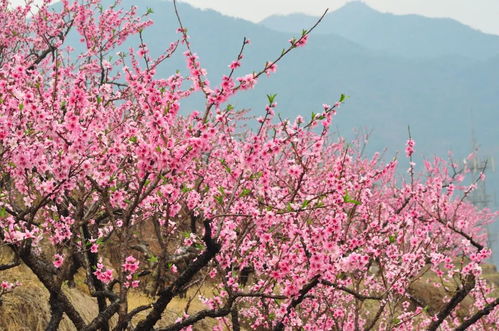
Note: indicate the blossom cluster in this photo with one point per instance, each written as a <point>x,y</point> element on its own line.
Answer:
<point>103,274</point>
<point>287,227</point>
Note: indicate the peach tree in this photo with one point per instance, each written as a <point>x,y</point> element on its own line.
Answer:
<point>104,172</point>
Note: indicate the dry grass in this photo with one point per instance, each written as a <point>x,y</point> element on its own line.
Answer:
<point>27,308</point>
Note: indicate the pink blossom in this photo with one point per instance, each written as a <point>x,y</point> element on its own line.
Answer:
<point>409,149</point>
<point>302,41</point>
<point>104,276</point>
<point>94,248</point>
<point>58,260</point>
<point>247,82</point>
<point>131,265</point>
<point>270,68</point>
<point>235,64</point>
<point>104,151</point>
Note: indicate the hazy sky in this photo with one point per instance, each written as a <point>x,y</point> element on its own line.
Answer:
<point>480,14</point>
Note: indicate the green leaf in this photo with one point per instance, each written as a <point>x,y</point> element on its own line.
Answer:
<point>29,131</point>
<point>343,97</point>
<point>199,246</point>
<point>289,207</point>
<point>165,180</point>
<point>245,192</point>
<point>3,212</point>
<point>348,199</point>
<point>99,99</point>
<point>219,198</point>
<point>271,98</point>
<point>271,316</point>
<point>221,190</point>
<point>229,107</point>
<point>256,175</point>
<point>305,203</point>
<point>392,238</point>
<point>186,234</point>
<point>313,116</point>
<point>185,189</point>
<point>21,106</point>
<point>153,259</point>
<point>149,11</point>
<point>226,167</point>
<point>133,139</point>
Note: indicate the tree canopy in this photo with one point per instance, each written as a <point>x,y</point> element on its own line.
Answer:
<point>102,173</point>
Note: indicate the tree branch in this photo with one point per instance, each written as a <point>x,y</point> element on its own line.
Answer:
<point>358,296</point>
<point>212,248</point>
<point>295,302</point>
<point>479,314</point>
<point>461,293</point>
<point>44,273</point>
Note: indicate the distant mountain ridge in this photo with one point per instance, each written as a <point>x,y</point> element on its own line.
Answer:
<point>404,35</point>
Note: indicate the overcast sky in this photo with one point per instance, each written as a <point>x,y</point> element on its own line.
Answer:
<point>480,14</point>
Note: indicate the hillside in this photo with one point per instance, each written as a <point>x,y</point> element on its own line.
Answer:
<point>26,308</point>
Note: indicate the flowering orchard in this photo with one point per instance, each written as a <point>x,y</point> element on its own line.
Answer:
<point>101,174</point>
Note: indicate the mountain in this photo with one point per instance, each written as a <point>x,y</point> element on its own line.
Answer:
<point>405,35</point>
<point>443,95</point>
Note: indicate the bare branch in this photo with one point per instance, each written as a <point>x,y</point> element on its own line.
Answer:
<point>479,314</point>
<point>165,296</point>
<point>461,293</point>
